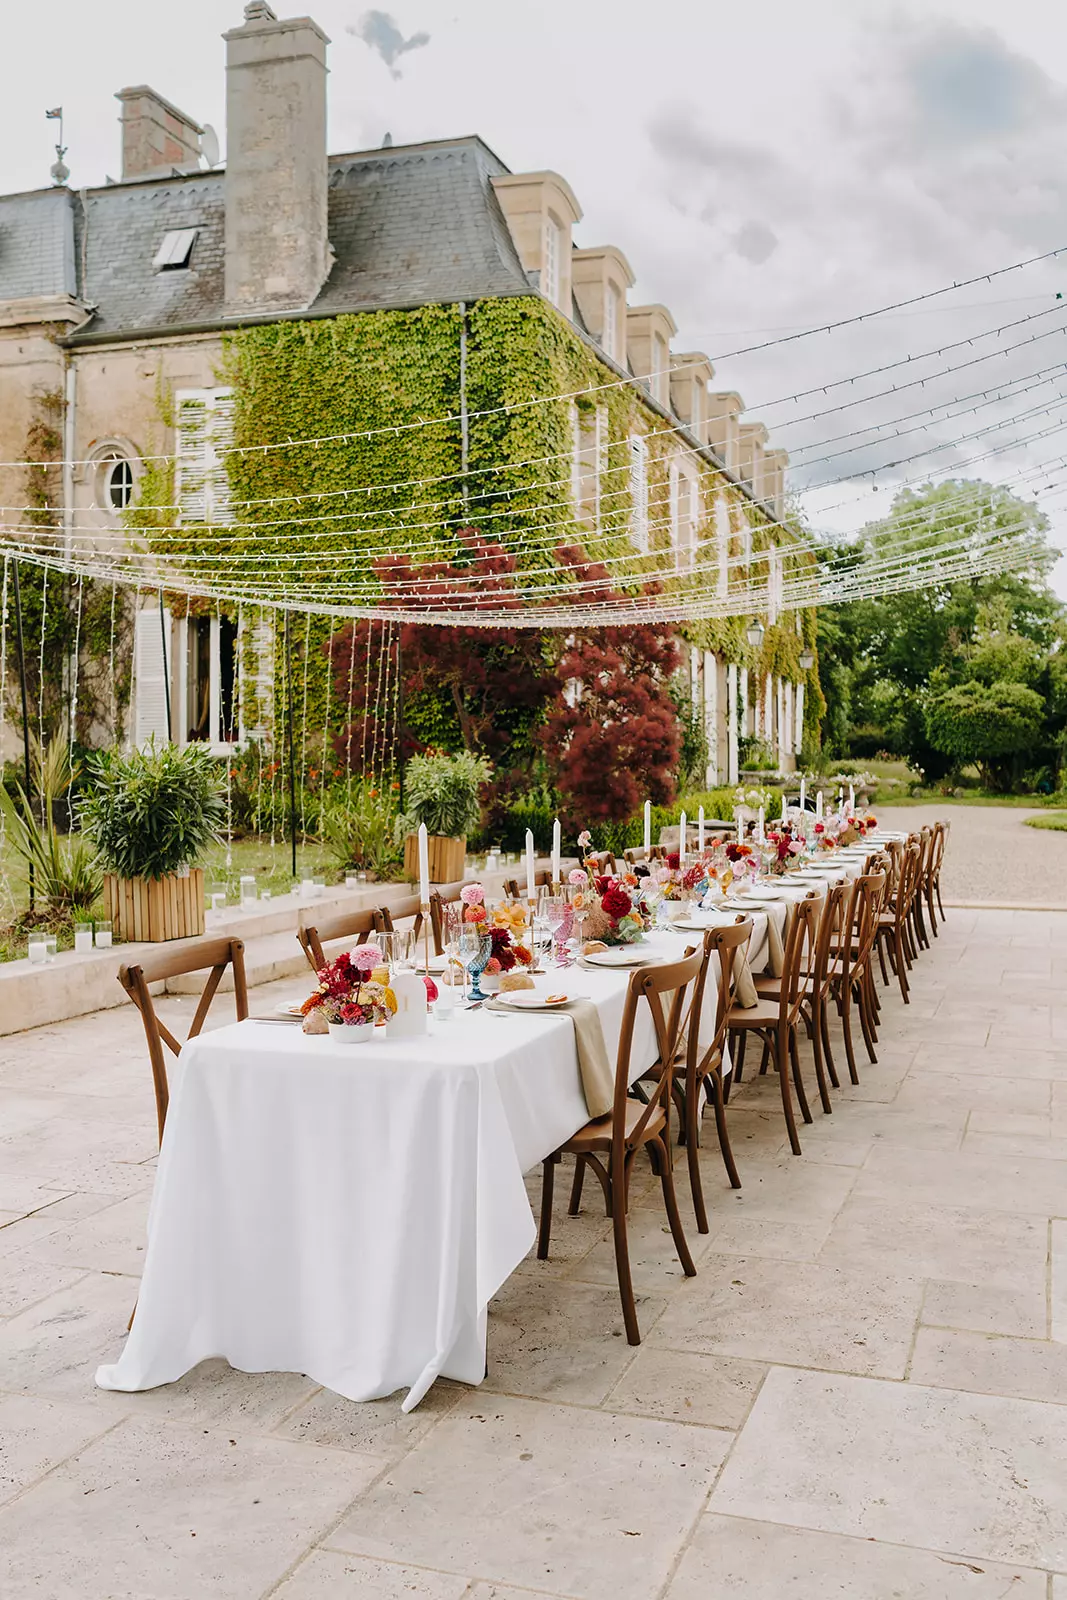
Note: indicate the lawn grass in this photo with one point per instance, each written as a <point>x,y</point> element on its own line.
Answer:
<point>1056,820</point>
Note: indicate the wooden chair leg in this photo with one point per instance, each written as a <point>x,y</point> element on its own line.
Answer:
<point>846,1030</point>
<point>881,959</point>
<point>940,907</point>
<point>576,1187</point>
<point>548,1181</point>
<point>824,1025</point>
<point>622,1269</point>
<point>692,1154</point>
<point>723,1132</point>
<point>868,1036</point>
<point>787,1102</point>
<point>930,908</point>
<point>670,1200</point>
<point>901,976</point>
<point>816,1050</point>
<point>798,1081</point>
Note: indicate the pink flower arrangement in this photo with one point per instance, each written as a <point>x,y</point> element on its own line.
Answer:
<point>472,894</point>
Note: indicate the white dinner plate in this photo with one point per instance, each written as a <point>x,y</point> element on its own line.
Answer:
<point>528,1000</point>
<point>622,956</point>
<point>290,1008</point>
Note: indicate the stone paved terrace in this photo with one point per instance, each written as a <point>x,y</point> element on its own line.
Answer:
<point>863,1392</point>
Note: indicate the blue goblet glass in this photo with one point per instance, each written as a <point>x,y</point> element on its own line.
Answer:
<point>475,950</point>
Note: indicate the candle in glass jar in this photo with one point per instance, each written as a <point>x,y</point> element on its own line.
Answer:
<point>83,936</point>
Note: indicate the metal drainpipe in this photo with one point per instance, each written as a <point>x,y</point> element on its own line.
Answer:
<point>464,435</point>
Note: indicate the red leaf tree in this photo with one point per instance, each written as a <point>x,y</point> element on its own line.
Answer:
<point>611,738</point>
<point>486,684</point>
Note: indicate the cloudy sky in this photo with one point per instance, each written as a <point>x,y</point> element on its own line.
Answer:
<point>764,171</point>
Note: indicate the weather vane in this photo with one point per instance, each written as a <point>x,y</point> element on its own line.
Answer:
<point>60,172</point>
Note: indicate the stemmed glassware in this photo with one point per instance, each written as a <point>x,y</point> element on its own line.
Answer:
<point>475,948</point>
<point>552,908</point>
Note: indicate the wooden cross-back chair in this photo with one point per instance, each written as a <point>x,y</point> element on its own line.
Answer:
<point>446,894</point>
<point>893,931</point>
<point>932,886</point>
<point>357,925</point>
<point>775,1019</point>
<point>603,862</point>
<point>400,911</point>
<point>515,891</point>
<point>212,956</point>
<point>854,983</point>
<point>817,979</point>
<point>611,1143</point>
<point>697,1067</point>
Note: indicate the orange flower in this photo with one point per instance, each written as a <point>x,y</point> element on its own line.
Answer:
<point>510,917</point>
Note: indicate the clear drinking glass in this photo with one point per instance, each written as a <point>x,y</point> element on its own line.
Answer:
<point>398,949</point>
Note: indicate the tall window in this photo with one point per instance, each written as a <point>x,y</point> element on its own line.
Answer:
<point>205,432</point>
<point>590,463</point>
<point>639,493</point>
<point>550,262</point>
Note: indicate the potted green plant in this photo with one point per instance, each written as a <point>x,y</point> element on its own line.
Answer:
<point>152,813</point>
<point>442,792</point>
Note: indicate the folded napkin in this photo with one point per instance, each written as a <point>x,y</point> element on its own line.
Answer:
<point>597,1073</point>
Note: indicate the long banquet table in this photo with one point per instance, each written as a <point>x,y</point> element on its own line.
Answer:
<point>349,1211</point>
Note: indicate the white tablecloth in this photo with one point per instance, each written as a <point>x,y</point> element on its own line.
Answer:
<point>348,1211</point>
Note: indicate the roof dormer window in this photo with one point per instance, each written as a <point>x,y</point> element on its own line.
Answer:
<point>175,250</point>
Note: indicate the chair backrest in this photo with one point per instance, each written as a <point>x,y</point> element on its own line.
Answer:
<point>357,925</point>
<point>799,939</point>
<point>665,984</point>
<point>910,869</point>
<point>869,897</point>
<point>937,853</point>
<point>212,956</point>
<point>603,861</point>
<point>542,880</point>
<point>400,911</point>
<point>446,894</point>
<point>725,944</point>
<point>828,939</point>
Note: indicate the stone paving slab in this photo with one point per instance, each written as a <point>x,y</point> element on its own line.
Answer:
<point>863,1392</point>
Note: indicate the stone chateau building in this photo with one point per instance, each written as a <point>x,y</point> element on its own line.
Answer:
<point>116,301</point>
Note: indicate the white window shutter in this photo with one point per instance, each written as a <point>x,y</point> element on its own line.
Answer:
<point>152,688</point>
<point>222,415</point>
<point>191,472</point>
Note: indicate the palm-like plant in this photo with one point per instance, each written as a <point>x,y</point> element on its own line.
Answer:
<point>66,872</point>
<point>155,811</point>
<point>442,792</point>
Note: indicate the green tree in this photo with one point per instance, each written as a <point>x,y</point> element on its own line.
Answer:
<point>989,725</point>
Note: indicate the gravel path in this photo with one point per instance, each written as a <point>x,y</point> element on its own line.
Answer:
<point>991,857</point>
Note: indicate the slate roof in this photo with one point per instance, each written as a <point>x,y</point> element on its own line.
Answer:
<point>410,225</point>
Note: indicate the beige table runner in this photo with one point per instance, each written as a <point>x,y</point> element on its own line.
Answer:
<point>597,1073</point>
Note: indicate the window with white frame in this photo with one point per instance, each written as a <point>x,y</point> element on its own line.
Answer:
<point>206,670</point>
<point>574,419</point>
<point>639,493</point>
<point>204,426</point>
<point>746,542</point>
<point>551,250</point>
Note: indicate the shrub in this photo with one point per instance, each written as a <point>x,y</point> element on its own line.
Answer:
<point>443,792</point>
<point>66,873</point>
<point>359,829</point>
<point>989,725</point>
<point>155,811</point>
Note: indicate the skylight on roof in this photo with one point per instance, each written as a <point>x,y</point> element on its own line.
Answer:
<point>175,250</point>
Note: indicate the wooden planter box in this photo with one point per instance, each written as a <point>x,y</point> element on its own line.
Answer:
<point>448,857</point>
<point>154,909</point>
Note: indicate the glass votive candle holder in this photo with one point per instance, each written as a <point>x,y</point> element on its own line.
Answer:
<point>351,881</point>
<point>319,887</point>
<point>37,950</point>
<point>51,946</point>
<point>248,889</point>
<point>307,888</point>
<point>102,936</point>
<point>264,894</point>
<point>83,936</point>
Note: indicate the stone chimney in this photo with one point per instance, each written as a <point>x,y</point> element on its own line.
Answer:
<point>156,136</point>
<point>277,252</point>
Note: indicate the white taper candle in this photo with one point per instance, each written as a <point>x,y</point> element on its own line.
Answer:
<point>530,893</point>
<point>424,865</point>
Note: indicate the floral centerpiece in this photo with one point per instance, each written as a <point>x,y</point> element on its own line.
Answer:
<point>506,927</point>
<point>353,990</point>
<point>783,848</point>
<point>607,906</point>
